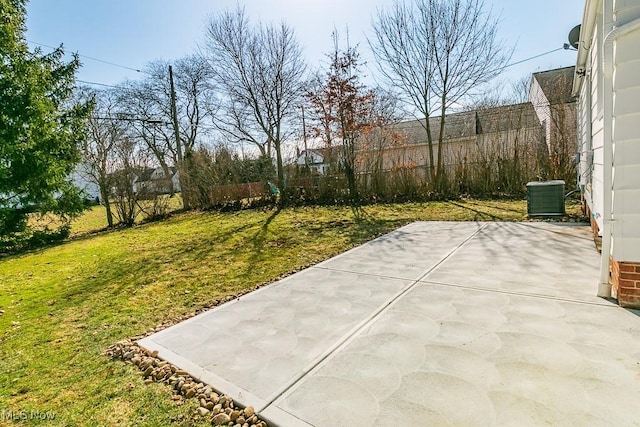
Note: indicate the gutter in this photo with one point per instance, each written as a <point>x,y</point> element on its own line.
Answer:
<point>604,287</point>
<point>586,34</point>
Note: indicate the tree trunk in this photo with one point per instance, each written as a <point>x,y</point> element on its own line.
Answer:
<point>280,171</point>
<point>104,192</point>
<point>432,170</point>
<point>184,186</point>
<point>440,174</point>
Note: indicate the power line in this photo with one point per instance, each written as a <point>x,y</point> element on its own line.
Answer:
<point>99,84</point>
<point>91,58</point>
<point>532,57</point>
<point>123,66</point>
<point>124,88</point>
<point>524,60</point>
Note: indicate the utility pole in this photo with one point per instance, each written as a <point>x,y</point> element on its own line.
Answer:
<point>304,137</point>
<point>181,163</point>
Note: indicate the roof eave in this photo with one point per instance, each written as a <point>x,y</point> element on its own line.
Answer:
<point>586,33</point>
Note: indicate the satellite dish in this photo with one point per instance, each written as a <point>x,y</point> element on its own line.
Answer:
<point>574,36</point>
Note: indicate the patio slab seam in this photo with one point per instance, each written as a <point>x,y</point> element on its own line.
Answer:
<point>604,302</point>
<point>246,397</point>
<point>269,412</point>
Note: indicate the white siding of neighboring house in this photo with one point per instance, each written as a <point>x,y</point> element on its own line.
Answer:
<point>81,179</point>
<point>626,136</point>
<point>541,106</point>
<point>155,182</point>
<point>176,182</point>
<point>138,186</point>
<point>313,159</point>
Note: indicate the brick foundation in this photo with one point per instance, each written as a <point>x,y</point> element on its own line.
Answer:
<point>594,227</point>
<point>624,276</point>
<point>625,279</point>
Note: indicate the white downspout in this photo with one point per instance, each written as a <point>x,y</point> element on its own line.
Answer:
<point>604,287</point>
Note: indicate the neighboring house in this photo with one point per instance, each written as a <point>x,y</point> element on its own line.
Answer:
<point>608,87</point>
<point>154,181</point>
<point>81,178</point>
<point>541,132</point>
<point>538,135</point>
<point>550,95</point>
<point>469,137</point>
<point>318,160</point>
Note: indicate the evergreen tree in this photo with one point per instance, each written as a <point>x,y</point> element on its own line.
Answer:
<point>40,128</point>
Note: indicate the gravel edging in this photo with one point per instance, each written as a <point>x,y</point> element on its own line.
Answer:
<point>219,409</point>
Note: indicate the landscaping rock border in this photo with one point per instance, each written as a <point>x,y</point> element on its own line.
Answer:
<point>220,409</point>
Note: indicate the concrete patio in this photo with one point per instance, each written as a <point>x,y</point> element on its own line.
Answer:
<point>436,323</point>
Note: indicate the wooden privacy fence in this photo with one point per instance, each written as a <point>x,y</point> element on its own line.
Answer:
<point>232,192</point>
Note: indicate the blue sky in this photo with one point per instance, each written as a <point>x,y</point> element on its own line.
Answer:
<point>135,32</point>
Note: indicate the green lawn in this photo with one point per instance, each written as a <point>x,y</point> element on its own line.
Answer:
<point>64,305</point>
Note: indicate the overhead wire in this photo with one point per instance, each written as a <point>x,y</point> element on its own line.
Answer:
<point>533,57</point>
<point>99,84</point>
<point>139,71</point>
<point>526,59</point>
<point>91,58</point>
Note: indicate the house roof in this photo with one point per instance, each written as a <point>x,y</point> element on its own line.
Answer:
<point>148,172</point>
<point>556,84</point>
<point>470,123</point>
<point>324,152</point>
<point>461,125</point>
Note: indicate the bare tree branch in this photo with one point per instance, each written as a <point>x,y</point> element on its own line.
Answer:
<point>260,71</point>
<point>436,52</point>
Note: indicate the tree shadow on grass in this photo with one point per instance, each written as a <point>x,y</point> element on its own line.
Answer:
<point>197,249</point>
<point>498,207</point>
<point>260,236</point>
<point>479,215</point>
<point>259,239</point>
<point>367,226</point>
<point>359,214</point>
<point>127,274</point>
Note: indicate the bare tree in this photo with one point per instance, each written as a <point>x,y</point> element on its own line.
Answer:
<point>520,89</point>
<point>259,68</point>
<point>149,102</point>
<point>436,52</point>
<point>563,140</point>
<point>99,149</point>
<point>130,159</point>
<point>500,93</point>
<point>143,106</point>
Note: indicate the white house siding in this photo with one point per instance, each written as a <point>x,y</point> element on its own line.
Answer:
<point>609,52</point>
<point>626,137</point>
<point>176,182</point>
<point>81,179</point>
<point>541,106</point>
<point>314,160</point>
<point>625,11</point>
<point>584,142</point>
<point>591,171</point>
